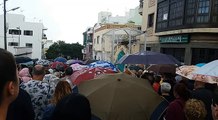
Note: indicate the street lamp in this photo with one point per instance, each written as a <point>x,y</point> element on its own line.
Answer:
<point>5,26</point>
<point>5,29</point>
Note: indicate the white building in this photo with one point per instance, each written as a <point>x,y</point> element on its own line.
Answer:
<point>131,15</point>
<point>23,38</point>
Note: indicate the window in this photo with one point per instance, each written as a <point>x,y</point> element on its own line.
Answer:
<point>13,44</point>
<point>14,32</point>
<point>28,32</point>
<point>151,20</point>
<point>215,12</point>
<point>203,11</point>
<point>29,45</point>
<point>98,37</point>
<point>162,15</point>
<point>176,13</point>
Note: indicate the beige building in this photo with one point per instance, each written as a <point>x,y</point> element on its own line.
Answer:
<point>108,39</point>
<point>147,9</point>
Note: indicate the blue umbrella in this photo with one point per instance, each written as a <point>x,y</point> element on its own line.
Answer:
<point>148,57</point>
<point>200,64</point>
<point>60,59</point>
<point>103,64</point>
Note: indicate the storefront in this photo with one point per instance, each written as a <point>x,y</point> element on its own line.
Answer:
<point>190,48</point>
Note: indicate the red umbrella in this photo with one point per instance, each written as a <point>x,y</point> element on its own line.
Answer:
<point>89,73</point>
<point>55,65</point>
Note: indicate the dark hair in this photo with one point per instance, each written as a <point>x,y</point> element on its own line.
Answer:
<point>38,70</point>
<point>69,71</point>
<point>157,78</point>
<point>8,70</point>
<point>72,107</point>
<point>182,91</point>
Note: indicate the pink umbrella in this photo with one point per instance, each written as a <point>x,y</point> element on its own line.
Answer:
<point>77,67</point>
<point>88,73</point>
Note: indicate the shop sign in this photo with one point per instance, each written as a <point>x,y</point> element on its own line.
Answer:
<point>174,39</point>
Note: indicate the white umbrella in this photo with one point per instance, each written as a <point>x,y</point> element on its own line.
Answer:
<point>209,69</point>
<point>208,73</point>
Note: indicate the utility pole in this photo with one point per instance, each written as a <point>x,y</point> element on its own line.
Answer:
<point>5,29</point>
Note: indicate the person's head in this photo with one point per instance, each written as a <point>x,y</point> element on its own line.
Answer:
<point>69,71</point>
<point>62,89</point>
<point>38,72</point>
<point>195,110</point>
<point>24,72</point>
<point>181,91</point>
<point>165,87</point>
<point>72,107</point>
<point>157,79</point>
<point>199,84</point>
<point>9,83</point>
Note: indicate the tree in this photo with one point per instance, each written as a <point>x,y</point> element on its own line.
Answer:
<point>60,48</point>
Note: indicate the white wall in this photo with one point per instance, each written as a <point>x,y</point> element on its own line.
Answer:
<point>13,22</point>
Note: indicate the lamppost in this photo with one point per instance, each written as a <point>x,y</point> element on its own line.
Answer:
<point>5,26</point>
<point>5,29</point>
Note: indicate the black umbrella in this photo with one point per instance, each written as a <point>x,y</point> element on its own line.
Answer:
<point>22,59</point>
<point>148,57</point>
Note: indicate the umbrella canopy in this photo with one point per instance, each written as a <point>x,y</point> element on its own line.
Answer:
<point>103,64</point>
<point>60,59</point>
<point>209,69</point>
<point>200,64</point>
<point>89,61</point>
<point>43,62</point>
<point>162,68</point>
<point>77,67</point>
<point>148,57</point>
<point>208,73</point>
<point>58,65</point>
<point>70,62</point>
<point>88,74</point>
<point>22,59</point>
<point>120,97</point>
<point>186,71</point>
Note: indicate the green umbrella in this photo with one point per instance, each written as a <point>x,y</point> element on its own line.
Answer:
<point>120,97</point>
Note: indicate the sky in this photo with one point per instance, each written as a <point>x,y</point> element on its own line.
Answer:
<point>67,19</point>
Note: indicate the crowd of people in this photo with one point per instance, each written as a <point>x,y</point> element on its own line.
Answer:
<point>41,93</point>
<point>187,99</point>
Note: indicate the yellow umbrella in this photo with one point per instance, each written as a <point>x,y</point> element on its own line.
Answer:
<point>120,97</point>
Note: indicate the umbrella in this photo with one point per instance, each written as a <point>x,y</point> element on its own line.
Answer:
<point>70,62</point>
<point>186,71</point>
<point>60,59</point>
<point>77,67</point>
<point>162,68</point>
<point>103,64</point>
<point>89,61</point>
<point>88,74</point>
<point>148,57</point>
<point>120,97</point>
<point>22,59</point>
<point>207,73</point>
<point>58,65</point>
<point>200,64</point>
<point>43,62</point>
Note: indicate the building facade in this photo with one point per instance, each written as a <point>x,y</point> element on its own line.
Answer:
<point>108,38</point>
<point>87,43</point>
<point>186,29</point>
<point>23,38</point>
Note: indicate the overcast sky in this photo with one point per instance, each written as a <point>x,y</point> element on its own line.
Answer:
<point>68,19</point>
